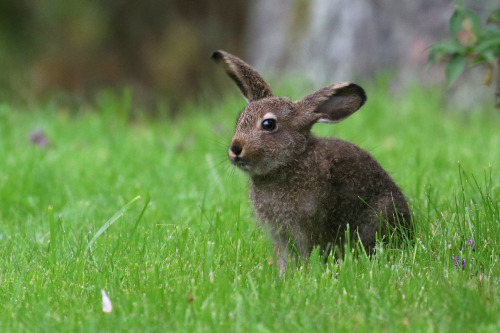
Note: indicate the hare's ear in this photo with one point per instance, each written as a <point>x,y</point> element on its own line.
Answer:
<point>251,84</point>
<point>333,103</point>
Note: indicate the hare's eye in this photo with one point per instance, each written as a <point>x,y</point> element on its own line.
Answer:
<point>269,124</point>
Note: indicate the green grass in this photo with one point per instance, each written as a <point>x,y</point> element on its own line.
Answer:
<point>187,254</point>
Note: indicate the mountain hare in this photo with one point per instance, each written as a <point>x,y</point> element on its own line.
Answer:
<point>306,190</point>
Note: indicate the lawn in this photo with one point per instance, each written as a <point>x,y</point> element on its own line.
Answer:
<point>151,211</point>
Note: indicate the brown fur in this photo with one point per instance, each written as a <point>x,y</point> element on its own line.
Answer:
<point>306,190</point>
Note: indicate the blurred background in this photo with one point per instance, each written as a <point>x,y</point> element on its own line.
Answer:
<point>69,50</point>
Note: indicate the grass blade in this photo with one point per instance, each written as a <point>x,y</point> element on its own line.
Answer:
<point>112,220</point>
<point>52,228</point>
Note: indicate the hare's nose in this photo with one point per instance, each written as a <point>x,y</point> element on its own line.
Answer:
<point>236,149</point>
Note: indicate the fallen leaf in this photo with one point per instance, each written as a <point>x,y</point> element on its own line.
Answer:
<point>107,307</point>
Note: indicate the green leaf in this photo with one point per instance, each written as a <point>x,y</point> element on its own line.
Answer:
<point>455,24</point>
<point>476,22</point>
<point>433,58</point>
<point>494,17</point>
<point>489,56</point>
<point>489,32</point>
<point>454,68</point>
<point>476,61</point>
<point>489,44</point>
<point>449,46</point>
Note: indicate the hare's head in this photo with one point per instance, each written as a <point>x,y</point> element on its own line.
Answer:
<point>273,131</point>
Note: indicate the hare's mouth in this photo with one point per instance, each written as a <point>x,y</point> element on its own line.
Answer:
<point>241,163</point>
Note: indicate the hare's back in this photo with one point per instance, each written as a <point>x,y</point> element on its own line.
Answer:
<point>357,179</point>
<point>353,168</point>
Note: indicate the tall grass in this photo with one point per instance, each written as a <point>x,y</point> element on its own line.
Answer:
<point>150,211</point>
